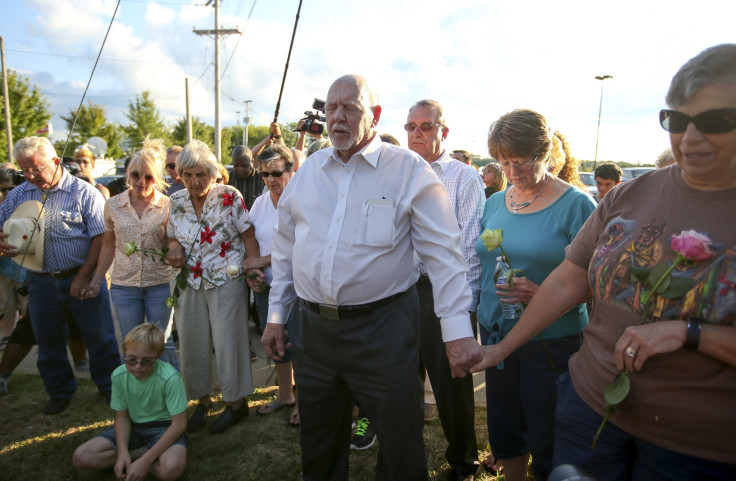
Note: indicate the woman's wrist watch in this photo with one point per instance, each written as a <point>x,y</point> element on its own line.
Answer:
<point>692,340</point>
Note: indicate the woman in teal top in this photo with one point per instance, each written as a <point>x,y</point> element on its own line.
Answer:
<point>539,216</point>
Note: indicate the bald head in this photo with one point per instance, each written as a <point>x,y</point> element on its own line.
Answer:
<point>352,113</point>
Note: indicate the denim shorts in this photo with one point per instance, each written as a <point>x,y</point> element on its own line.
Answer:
<point>144,435</point>
<point>521,400</point>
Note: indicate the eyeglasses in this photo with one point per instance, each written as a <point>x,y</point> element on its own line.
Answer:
<point>5,190</point>
<point>424,126</point>
<point>717,121</point>
<point>35,171</point>
<point>523,167</point>
<point>265,175</point>
<point>145,362</point>
<point>135,176</point>
<point>171,166</point>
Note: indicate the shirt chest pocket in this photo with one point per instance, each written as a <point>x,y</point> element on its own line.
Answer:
<point>377,223</point>
<point>70,221</point>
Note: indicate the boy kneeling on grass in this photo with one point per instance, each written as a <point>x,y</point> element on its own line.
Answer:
<point>150,415</point>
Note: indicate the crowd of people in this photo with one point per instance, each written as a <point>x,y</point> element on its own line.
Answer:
<point>374,267</point>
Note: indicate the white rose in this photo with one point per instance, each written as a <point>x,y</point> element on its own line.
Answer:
<point>233,270</point>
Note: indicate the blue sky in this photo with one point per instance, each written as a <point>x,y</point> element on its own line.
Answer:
<point>480,59</point>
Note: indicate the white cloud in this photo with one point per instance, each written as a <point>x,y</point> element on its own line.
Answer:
<point>480,59</point>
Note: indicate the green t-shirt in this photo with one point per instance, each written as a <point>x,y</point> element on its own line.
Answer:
<point>157,398</point>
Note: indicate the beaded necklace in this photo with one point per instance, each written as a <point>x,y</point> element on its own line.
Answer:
<point>517,206</point>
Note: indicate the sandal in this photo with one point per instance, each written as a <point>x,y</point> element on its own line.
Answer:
<point>272,407</point>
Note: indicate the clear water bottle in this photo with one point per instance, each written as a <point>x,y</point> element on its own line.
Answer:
<point>510,311</point>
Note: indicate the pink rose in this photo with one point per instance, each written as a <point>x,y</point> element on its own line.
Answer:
<point>692,245</point>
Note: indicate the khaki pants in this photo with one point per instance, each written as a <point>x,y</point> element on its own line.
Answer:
<point>207,318</point>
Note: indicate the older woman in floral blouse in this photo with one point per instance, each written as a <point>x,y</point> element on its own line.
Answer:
<point>209,229</point>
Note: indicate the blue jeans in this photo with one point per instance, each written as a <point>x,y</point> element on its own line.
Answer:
<point>144,435</point>
<point>618,455</point>
<point>49,302</point>
<point>521,400</point>
<point>131,304</point>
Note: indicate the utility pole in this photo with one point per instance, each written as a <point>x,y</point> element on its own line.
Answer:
<point>8,128</point>
<point>217,32</point>
<point>602,78</point>
<point>246,121</point>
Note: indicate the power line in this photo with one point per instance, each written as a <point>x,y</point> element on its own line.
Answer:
<point>239,39</point>
<point>156,62</point>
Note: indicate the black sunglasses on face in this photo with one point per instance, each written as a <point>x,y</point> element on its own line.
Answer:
<point>135,176</point>
<point>718,121</point>
<point>171,166</point>
<point>265,175</point>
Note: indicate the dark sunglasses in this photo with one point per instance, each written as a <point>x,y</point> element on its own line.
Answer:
<point>424,126</point>
<point>5,190</point>
<point>171,166</point>
<point>145,362</point>
<point>135,176</point>
<point>718,121</point>
<point>265,175</point>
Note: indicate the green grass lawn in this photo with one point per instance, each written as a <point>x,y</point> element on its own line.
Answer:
<point>38,447</point>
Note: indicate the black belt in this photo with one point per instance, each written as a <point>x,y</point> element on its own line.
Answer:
<point>60,274</point>
<point>335,313</point>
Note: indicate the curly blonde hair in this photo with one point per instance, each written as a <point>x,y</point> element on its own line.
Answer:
<point>562,163</point>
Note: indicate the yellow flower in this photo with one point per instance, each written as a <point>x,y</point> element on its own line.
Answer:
<point>492,238</point>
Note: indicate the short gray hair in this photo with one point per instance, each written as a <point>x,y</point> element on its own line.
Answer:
<point>714,65</point>
<point>434,105</point>
<point>197,153</point>
<point>277,152</point>
<point>28,146</point>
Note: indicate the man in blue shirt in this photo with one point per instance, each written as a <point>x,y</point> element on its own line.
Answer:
<point>74,224</point>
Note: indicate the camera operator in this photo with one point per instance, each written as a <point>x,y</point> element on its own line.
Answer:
<point>312,124</point>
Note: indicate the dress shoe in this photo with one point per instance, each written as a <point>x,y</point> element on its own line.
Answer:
<point>56,405</point>
<point>229,418</point>
<point>197,419</point>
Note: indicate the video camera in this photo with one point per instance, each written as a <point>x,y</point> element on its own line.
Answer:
<point>313,120</point>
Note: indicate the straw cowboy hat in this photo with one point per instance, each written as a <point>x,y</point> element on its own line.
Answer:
<point>25,231</point>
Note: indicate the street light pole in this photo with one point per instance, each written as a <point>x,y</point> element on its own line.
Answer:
<point>246,121</point>
<point>600,109</point>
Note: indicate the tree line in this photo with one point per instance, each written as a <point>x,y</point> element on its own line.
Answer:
<point>29,112</point>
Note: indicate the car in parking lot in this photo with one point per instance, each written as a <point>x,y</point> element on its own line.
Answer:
<point>633,172</point>
<point>589,180</point>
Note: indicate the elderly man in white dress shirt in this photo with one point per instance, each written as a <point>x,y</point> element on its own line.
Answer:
<point>349,223</point>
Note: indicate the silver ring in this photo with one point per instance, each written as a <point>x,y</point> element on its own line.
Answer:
<point>631,352</point>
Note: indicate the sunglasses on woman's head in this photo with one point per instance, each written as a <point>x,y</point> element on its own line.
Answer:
<point>135,176</point>
<point>265,175</point>
<point>718,121</point>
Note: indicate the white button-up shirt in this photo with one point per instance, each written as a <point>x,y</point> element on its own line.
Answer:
<point>347,232</point>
